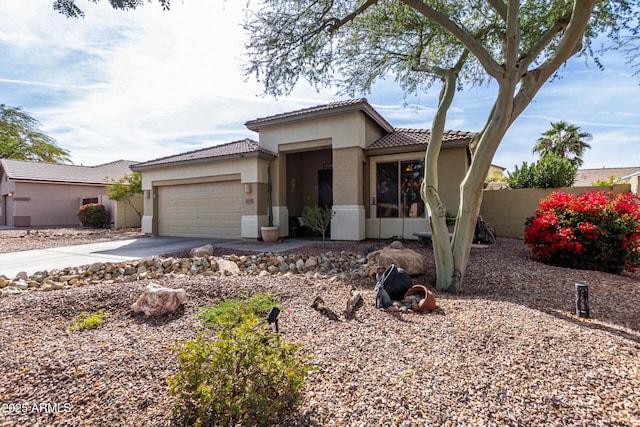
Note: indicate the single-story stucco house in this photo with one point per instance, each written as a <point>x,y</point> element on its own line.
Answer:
<point>344,155</point>
<point>38,194</point>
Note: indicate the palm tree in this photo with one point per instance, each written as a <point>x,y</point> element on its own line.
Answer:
<point>563,140</point>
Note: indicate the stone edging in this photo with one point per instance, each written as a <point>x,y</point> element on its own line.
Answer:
<point>341,265</point>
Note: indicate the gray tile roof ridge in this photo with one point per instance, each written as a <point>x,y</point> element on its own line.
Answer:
<point>64,172</point>
<point>251,146</point>
<point>320,107</point>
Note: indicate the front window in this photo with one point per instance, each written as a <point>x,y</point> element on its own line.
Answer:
<point>398,190</point>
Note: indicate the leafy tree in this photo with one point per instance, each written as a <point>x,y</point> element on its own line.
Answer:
<point>21,138</point>
<point>604,182</point>
<point>549,172</point>
<point>318,218</point>
<point>517,45</point>
<point>125,188</point>
<point>496,176</point>
<point>563,140</point>
<point>631,48</point>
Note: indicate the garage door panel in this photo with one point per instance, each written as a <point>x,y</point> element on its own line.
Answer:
<point>201,210</point>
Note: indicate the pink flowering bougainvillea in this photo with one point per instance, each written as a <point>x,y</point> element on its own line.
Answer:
<point>92,215</point>
<point>597,230</point>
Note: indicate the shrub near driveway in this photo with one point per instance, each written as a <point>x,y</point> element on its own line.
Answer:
<point>597,230</point>
<point>93,215</point>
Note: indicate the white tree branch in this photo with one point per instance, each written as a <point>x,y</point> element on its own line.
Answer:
<point>471,43</point>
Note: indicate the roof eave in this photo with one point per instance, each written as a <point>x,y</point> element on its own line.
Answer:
<point>414,147</point>
<point>259,154</point>
<point>54,181</point>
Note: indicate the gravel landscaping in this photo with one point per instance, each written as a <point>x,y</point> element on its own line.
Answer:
<point>508,351</point>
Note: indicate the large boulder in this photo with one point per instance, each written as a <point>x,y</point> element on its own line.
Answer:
<point>407,259</point>
<point>158,300</point>
<point>206,250</point>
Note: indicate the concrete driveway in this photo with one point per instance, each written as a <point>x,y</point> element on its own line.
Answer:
<point>120,250</point>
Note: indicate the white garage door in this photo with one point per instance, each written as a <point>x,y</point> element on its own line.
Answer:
<point>212,209</point>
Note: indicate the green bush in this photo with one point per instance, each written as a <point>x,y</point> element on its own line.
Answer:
<point>231,312</point>
<point>84,320</point>
<point>93,215</point>
<point>245,376</point>
<point>548,172</point>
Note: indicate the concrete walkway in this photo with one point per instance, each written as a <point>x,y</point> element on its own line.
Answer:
<point>123,250</point>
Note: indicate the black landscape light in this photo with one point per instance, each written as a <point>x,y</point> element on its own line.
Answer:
<point>272,317</point>
<point>582,300</point>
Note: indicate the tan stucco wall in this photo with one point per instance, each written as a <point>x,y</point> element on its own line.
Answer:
<point>634,181</point>
<point>344,130</point>
<point>508,210</point>
<point>348,176</point>
<point>124,216</point>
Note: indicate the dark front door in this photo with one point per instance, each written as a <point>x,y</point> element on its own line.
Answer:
<point>325,188</point>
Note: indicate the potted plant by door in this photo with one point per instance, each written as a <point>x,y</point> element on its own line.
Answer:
<point>270,233</point>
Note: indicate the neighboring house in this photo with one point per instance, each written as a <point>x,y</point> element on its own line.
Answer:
<point>495,178</point>
<point>586,177</point>
<point>344,155</point>
<point>45,194</point>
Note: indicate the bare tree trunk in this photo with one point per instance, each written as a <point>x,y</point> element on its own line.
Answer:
<point>472,185</point>
<point>429,191</point>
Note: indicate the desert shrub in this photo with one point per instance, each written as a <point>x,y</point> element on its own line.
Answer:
<point>231,312</point>
<point>245,376</point>
<point>85,320</point>
<point>548,172</point>
<point>93,215</point>
<point>597,230</point>
<point>318,218</point>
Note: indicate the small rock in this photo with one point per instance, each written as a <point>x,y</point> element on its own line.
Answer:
<point>21,284</point>
<point>96,266</point>
<point>227,267</point>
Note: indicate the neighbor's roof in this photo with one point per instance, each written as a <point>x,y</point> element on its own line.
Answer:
<point>324,110</point>
<point>585,177</point>
<point>21,170</point>
<point>236,148</point>
<point>402,137</point>
<point>631,175</point>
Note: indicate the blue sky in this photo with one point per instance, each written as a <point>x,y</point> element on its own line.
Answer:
<point>144,84</point>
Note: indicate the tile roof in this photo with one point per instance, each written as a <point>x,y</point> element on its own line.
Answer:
<point>21,170</point>
<point>585,177</point>
<point>403,137</point>
<point>322,110</point>
<point>243,146</point>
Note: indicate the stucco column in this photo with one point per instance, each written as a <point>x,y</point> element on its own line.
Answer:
<point>348,183</point>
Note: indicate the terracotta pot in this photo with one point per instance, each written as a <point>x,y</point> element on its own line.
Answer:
<point>429,299</point>
<point>270,234</point>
